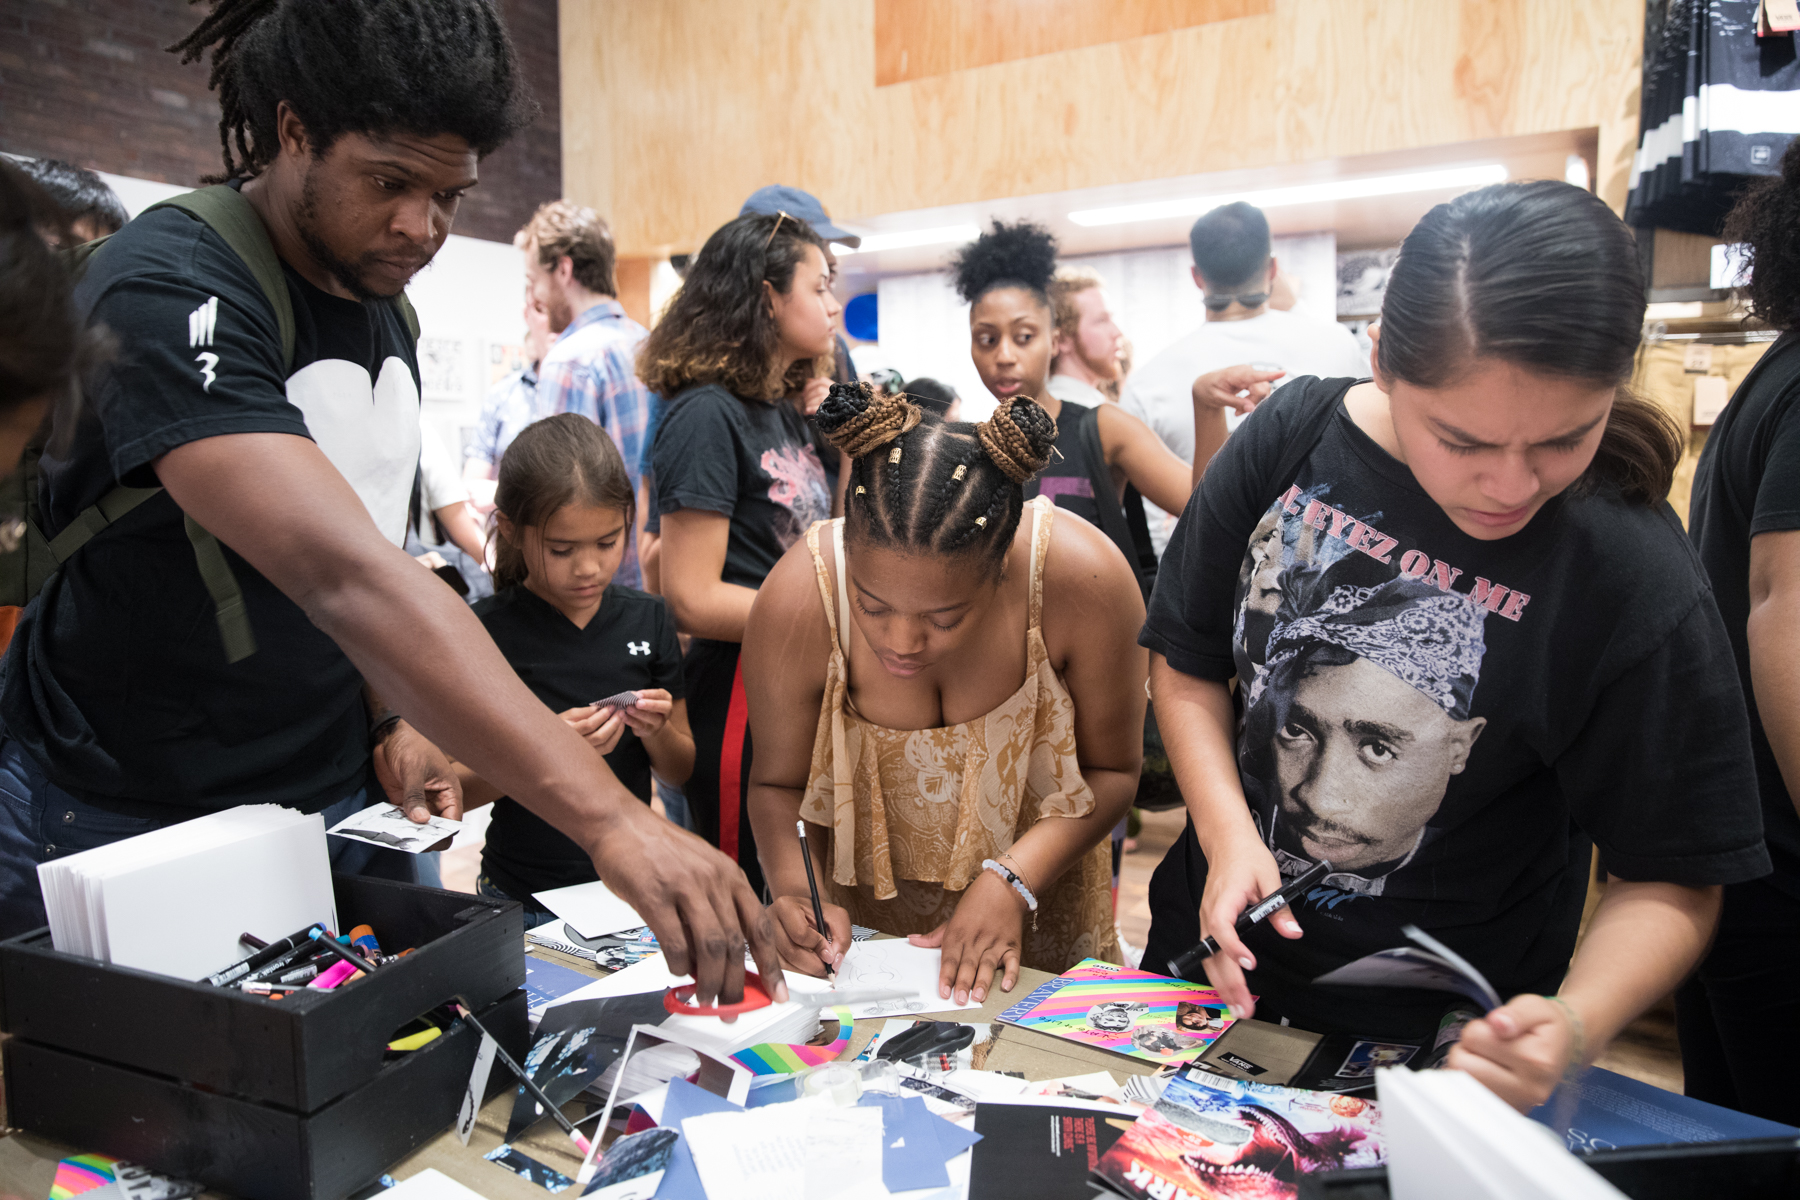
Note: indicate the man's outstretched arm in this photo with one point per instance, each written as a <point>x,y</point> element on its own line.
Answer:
<point>422,650</point>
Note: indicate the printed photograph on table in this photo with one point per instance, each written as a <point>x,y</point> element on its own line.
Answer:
<point>1365,1057</point>
<point>1136,1013</point>
<point>1225,1140</point>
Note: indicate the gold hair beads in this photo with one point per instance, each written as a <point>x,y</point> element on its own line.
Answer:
<point>981,522</point>
<point>894,456</point>
<point>861,490</point>
<point>956,476</point>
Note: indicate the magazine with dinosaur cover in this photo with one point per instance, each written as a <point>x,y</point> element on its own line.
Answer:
<point>1212,1138</point>
<point>1136,1013</point>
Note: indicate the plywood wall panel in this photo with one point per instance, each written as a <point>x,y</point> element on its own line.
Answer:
<point>673,112</point>
<point>916,39</point>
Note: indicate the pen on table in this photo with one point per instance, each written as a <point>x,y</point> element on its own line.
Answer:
<point>1181,964</point>
<point>812,882</point>
<point>537,1093</point>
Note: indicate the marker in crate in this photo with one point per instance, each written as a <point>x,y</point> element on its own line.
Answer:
<point>264,956</point>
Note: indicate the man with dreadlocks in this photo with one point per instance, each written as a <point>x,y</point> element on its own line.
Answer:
<point>278,412</point>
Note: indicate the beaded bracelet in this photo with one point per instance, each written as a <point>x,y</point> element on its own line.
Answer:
<point>1018,885</point>
<point>1578,1034</point>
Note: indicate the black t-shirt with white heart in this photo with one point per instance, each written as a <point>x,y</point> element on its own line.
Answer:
<point>116,681</point>
<point>628,645</point>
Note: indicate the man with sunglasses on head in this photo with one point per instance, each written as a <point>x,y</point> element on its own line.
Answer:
<point>1235,272</point>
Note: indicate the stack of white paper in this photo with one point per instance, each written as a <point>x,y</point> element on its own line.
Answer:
<point>175,900</point>
<point>1447,1135</point>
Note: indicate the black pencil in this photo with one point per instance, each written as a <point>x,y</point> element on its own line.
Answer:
<point>537,1093</point>
<point>812,882</point>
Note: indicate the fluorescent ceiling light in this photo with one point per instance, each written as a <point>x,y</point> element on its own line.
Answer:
<point>911,237</point>
<point>1306,193</point>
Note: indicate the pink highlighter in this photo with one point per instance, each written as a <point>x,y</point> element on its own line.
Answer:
<point>332,976</point>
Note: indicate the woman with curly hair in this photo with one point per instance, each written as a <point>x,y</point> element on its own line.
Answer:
<point>737,480</point>
<point>1738,1017</point>
<point>945,686</point>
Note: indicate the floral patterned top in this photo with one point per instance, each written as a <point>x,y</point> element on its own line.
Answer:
<point>913,812</point>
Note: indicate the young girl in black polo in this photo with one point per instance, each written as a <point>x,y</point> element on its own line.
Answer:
<point>563,509</point>
<point>1469,641</point>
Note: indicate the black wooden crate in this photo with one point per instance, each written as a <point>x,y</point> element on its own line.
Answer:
<point>256,1150</point>
<point>297,1054</point>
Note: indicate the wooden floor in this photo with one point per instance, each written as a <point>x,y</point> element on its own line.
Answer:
<point>1646,1050</point>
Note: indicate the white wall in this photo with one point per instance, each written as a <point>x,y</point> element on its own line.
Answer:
<point>470,302</point>
<point>925,325</point>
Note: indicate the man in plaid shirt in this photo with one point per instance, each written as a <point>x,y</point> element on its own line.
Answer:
<point>591,366</point>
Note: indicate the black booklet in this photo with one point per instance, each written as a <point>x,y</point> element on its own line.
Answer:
<point>1040,1152</point>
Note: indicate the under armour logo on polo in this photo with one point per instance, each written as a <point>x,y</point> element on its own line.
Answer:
<point>638,647</point>
<point>201,323</point>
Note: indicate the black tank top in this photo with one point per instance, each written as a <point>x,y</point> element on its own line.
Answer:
<point>1077,478</point>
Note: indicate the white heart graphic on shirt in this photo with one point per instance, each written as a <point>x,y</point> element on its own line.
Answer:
<point>370,433</point>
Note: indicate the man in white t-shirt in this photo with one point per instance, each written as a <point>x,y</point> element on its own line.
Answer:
<point>1235,270</point>
<point>1089,344</point>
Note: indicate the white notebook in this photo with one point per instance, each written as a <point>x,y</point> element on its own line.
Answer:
<point>1448,1136</point>
<point>175,900</point>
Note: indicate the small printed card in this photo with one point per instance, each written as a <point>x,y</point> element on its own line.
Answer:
<point>385,825</point>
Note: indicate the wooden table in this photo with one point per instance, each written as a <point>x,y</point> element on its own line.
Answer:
<point>28,1163</point>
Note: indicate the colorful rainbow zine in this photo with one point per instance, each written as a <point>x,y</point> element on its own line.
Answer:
<point>1131,1012</point>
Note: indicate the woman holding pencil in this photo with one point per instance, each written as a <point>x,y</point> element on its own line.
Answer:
<point>945,686</point>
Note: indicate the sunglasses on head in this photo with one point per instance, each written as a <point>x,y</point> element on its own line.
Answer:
<point>1222,302</point>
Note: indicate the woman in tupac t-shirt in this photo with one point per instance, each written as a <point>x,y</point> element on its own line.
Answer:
<point>1470,641</point>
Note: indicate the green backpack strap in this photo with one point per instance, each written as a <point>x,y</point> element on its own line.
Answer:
<point>230,216</point>
<point>408,315</point>
<point>95,518</point>
<point>222,586</point>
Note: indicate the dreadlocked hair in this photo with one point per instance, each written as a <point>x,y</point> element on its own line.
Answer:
<point>357,66</point>
<point>922,485</point>
<point>1019,255</point>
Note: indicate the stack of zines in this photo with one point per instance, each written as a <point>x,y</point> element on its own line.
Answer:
<point>175,900</point>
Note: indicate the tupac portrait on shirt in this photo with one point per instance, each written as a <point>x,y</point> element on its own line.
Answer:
<point>1358,720</point>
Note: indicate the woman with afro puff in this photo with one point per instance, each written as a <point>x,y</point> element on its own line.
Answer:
<point>1005,275</point>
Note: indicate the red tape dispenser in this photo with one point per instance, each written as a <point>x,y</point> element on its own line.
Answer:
<point>680,1000</point>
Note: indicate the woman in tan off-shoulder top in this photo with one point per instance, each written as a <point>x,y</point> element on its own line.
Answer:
<point>946,685</point>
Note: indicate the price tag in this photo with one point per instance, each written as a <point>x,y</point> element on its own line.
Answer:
<point>484,1062</point>
<point>1697,359</point>
<point>1711,394</point>
<point>1782,16</point>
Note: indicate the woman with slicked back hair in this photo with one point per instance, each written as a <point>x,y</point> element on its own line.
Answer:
<point>943,685</point>
<point>1469,641</point>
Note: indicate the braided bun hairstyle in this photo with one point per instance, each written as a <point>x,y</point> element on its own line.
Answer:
<point>921,485</point>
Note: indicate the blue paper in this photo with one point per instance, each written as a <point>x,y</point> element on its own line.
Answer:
<point>682,1181</point>
<point>915,1143</point>
<point>545,981</point>
<point>1614,1110</point>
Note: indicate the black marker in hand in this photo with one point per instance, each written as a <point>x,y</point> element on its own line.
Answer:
<point>1180,965</point>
